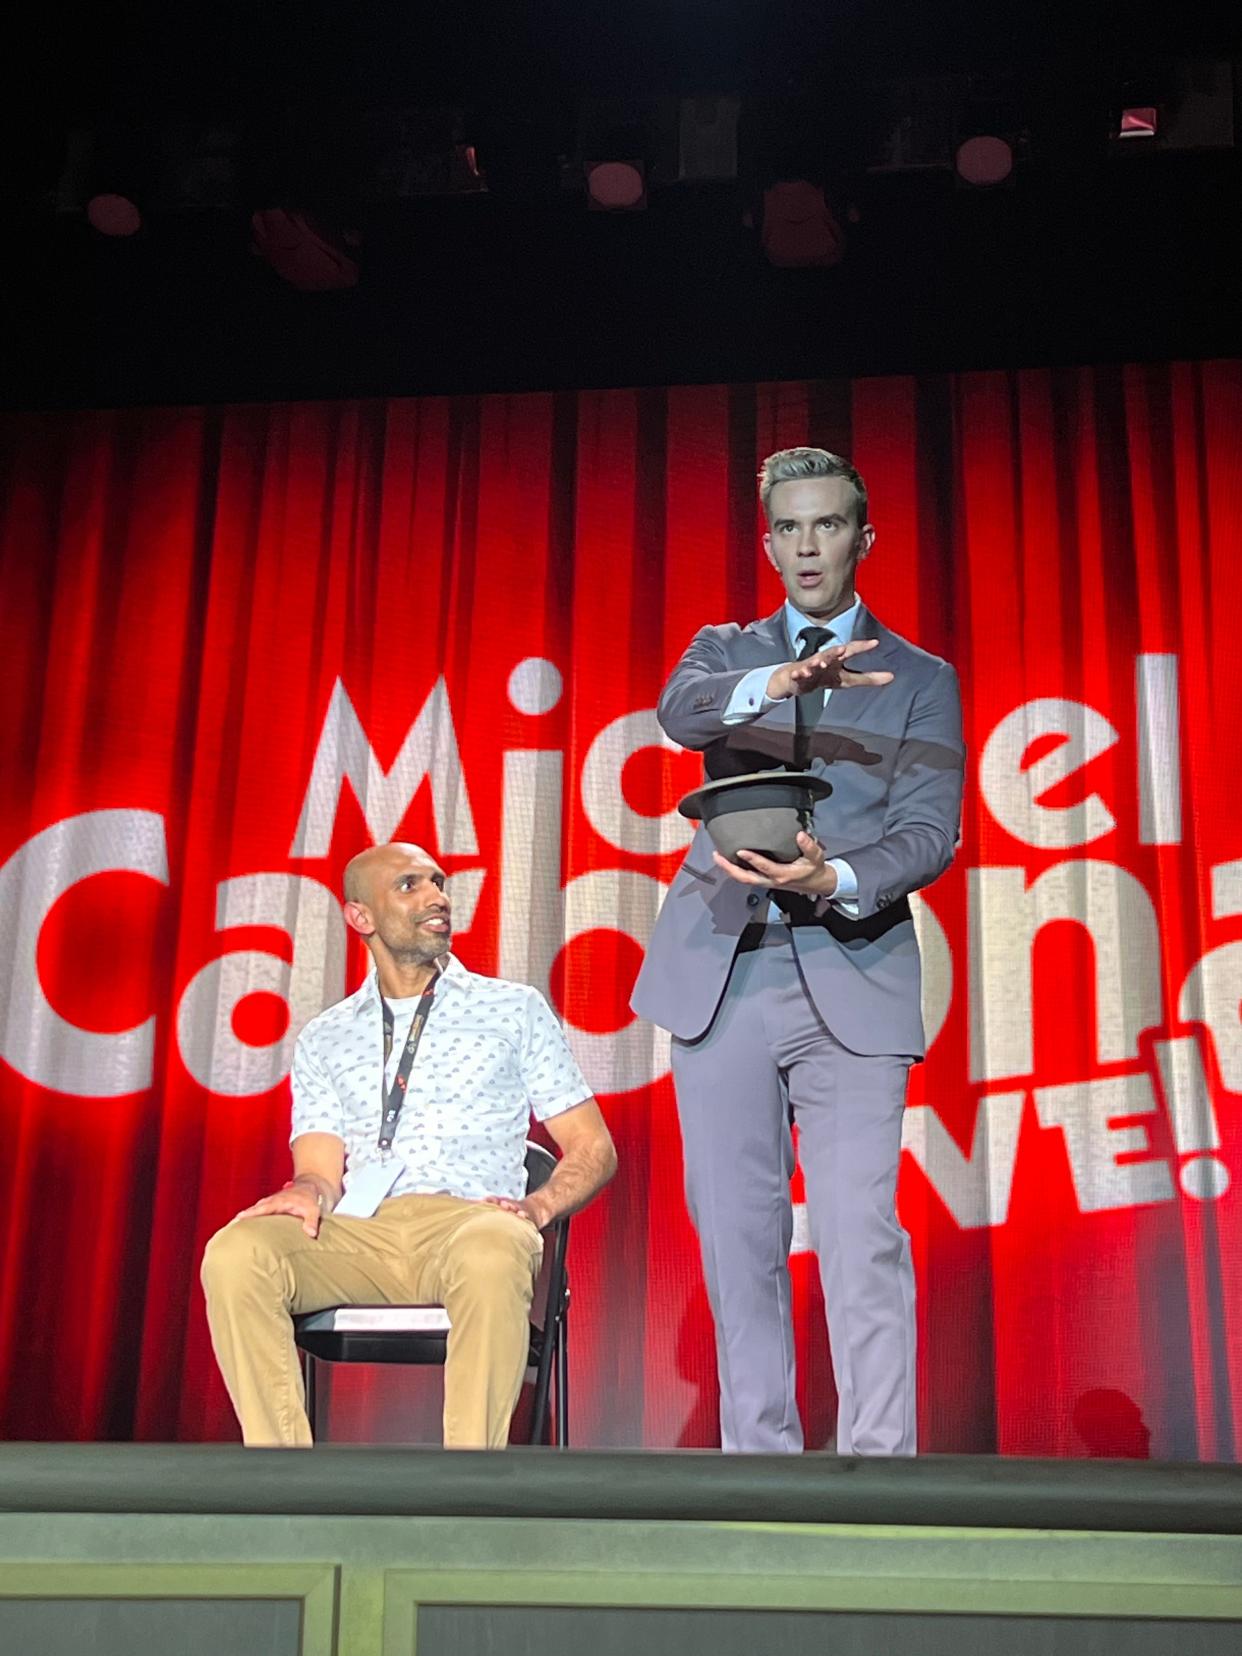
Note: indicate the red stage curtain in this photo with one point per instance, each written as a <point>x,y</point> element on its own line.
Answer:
<point>236,644</point>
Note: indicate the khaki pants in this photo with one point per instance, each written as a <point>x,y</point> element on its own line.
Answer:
<point>476,1260</point>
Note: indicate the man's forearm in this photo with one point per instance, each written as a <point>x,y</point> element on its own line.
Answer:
<point>692,708</point>
<point>578,1176</point>
<point>904,861</point>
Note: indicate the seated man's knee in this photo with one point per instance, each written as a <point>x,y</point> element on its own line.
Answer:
<point>240,1249</point>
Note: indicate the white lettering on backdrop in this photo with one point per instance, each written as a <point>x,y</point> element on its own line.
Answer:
<point>1103,1122</point>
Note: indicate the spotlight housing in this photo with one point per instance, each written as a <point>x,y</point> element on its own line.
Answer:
<point>799,229</point>
<point>113,214</point>
<point>984,160</point>
<point>616,186</point>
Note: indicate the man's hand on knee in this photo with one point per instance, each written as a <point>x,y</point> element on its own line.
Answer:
<point>299,1201</point>
<point>525,1207</point>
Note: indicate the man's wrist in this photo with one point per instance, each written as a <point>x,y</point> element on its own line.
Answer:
<point>539,1210</point>
<point>313,1187</point>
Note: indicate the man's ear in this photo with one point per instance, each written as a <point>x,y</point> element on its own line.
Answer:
<point>358,918</point>
<point>867,539</point>
<point>767,547</point>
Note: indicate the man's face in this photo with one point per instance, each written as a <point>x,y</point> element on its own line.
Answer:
<point>408,907</point>
<point>814,542</point>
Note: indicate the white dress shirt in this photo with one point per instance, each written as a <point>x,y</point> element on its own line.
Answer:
<point>750,698</point>
<point>492,1054</point>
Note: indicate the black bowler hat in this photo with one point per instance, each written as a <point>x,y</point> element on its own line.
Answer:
<point>762,812</point>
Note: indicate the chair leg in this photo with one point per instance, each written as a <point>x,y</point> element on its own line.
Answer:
<point>541,1399</point>
<point>562,1382</point>
<point>309,1378</point>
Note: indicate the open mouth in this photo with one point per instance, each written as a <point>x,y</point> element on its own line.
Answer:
<point>809,577</point>
<point>437,923</point>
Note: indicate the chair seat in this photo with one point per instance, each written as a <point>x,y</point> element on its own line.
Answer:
<point>376,1319</point>
<point>382,1334</point>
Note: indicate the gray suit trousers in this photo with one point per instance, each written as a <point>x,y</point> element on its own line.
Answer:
<point>768,1054</point>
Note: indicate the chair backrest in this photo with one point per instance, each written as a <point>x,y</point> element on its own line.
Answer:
<point>539,1166</point>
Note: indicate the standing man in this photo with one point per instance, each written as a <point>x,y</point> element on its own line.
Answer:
<point>411,1101</point>
<point>792,990</point>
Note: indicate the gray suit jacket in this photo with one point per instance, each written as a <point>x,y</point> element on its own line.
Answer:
<point>895,757</point>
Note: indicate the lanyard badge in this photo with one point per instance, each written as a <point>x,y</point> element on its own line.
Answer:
<point>395,1099</point>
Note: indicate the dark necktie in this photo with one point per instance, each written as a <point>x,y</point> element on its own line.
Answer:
<point>807,708</point>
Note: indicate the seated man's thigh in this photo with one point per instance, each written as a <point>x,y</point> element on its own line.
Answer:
<point>490,1253</point>
<point>272,1254</point>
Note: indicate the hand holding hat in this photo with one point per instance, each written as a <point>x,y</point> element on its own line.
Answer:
<point>809,873</point>
<point>760,821</point>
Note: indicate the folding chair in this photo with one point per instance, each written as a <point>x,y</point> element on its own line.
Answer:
<point>419,1333</point>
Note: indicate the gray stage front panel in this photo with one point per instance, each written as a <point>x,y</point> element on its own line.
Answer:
<point>682,1486</point>
<point>155,1627</point>
<point>539,1630</point>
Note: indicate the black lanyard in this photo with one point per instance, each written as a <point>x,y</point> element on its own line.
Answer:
<point>396,1093</point>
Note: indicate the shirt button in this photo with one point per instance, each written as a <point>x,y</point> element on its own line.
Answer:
<point>753,900</point>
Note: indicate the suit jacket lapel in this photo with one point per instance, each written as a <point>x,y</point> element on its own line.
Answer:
<point>771,633</point>
<point>845,709</point>
<point>886,643</point>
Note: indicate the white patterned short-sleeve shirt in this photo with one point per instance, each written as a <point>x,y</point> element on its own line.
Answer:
<point>492,1055</point>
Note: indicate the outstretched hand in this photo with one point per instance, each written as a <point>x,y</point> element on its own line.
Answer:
<point>827,669</point>
<point>808,873</point>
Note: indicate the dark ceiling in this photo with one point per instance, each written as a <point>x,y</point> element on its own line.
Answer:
<point>1086,257</point>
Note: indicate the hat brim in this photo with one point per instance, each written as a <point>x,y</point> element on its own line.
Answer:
<point>797,789</point>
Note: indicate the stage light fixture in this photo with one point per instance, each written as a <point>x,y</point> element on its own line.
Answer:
<point>983,160</point>
<point>1184,104</point>
<point>1138,123</point>
<point>707,138</point>
<point>798,228</point>
<point>989,131</point>
<point>113,214</point>
<point>420,152</point>
<point>115,169</point>
<point>303,251</point>
<point>616,152</point>
<point>616,186</point>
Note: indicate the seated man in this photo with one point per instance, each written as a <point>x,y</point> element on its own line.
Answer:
<point>412,1097</point>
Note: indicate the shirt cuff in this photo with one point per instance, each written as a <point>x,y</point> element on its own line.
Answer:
<point>749,698</point>
<point>845,897</point>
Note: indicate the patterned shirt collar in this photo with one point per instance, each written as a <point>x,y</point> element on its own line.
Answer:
<point>452,972</point>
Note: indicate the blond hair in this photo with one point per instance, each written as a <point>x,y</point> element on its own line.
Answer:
<point>787,465</point>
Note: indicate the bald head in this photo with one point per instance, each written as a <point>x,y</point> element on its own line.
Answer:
<point>396,900</point>
<point>369,867</point>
